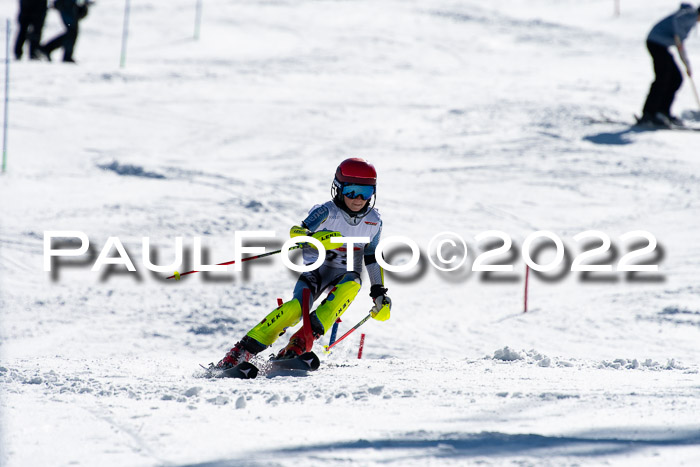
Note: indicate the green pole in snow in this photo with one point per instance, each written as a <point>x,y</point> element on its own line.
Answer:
<point>197,19</point>
<point>125,33</point>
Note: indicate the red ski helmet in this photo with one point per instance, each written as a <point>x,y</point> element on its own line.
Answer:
<point>356,170</point>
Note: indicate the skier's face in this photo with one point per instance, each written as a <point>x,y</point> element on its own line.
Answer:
<point>356,204</point>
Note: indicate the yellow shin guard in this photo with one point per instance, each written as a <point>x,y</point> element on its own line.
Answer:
<point>336,303</point>
<point>274,324</point>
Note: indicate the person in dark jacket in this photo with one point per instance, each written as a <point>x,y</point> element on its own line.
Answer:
<point>670,31</point>
<point>32,14</point>
<point>71,12</point>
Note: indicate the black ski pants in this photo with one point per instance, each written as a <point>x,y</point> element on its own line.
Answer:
<point>32,14</point>
<point>667,81</point>
<point>66,40</point>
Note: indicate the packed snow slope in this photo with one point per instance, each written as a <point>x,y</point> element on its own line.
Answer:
<point>512,116</point>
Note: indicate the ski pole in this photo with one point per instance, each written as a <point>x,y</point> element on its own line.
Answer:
<point>334,334</point>
<point>686,62</point>
<point>364,320</point>
<point>178,275</point>
<point>695,91</point>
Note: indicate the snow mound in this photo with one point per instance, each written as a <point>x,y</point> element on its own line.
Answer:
<point>507,355</point>
<point>533,357</point>
<point>634,364</point>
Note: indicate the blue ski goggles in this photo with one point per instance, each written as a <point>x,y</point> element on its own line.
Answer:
<point>358,191</point>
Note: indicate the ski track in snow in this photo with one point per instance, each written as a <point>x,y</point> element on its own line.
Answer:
<point>469,400</point>
<point>509,116</point>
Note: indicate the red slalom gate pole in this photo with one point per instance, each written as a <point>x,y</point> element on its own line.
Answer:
<point>362,345</point>
<point>308,334</point>
<point>527,275</point>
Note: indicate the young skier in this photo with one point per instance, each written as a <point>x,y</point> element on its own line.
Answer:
<point>351,213</point>
<point>668,32</point>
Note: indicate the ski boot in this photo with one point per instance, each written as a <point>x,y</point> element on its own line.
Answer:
<point>295,347</point>
<point>243,351</point>
<point>675,121</point>
<point>233,357</point>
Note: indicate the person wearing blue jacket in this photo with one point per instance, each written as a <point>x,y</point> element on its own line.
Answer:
<point>670,31</point>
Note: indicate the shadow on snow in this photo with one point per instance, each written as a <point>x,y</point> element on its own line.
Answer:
<point>619,137</point>
<point>483,444</point>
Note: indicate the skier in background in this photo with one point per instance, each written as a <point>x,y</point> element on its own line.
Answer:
<point>350,214</point>
<point>71,12</point>
<point>670,31</point>
<point>32,14</point>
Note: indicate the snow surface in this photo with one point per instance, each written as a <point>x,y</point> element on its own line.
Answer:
<point>504,115</point>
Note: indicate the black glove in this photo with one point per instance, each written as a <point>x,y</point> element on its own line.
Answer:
<point>82,11</point>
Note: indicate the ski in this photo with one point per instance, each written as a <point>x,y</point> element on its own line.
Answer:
<point>639,124</point>
<point>244,370</point>
<point>651,126</point>
<point>308,361</point>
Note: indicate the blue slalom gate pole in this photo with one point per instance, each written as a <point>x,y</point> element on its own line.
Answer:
<point>7,95</point>
<point>125,33</point>
<point>334,332</point>
<point>363,321</point>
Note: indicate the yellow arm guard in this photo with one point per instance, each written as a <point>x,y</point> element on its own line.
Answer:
<point>325,237</point>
